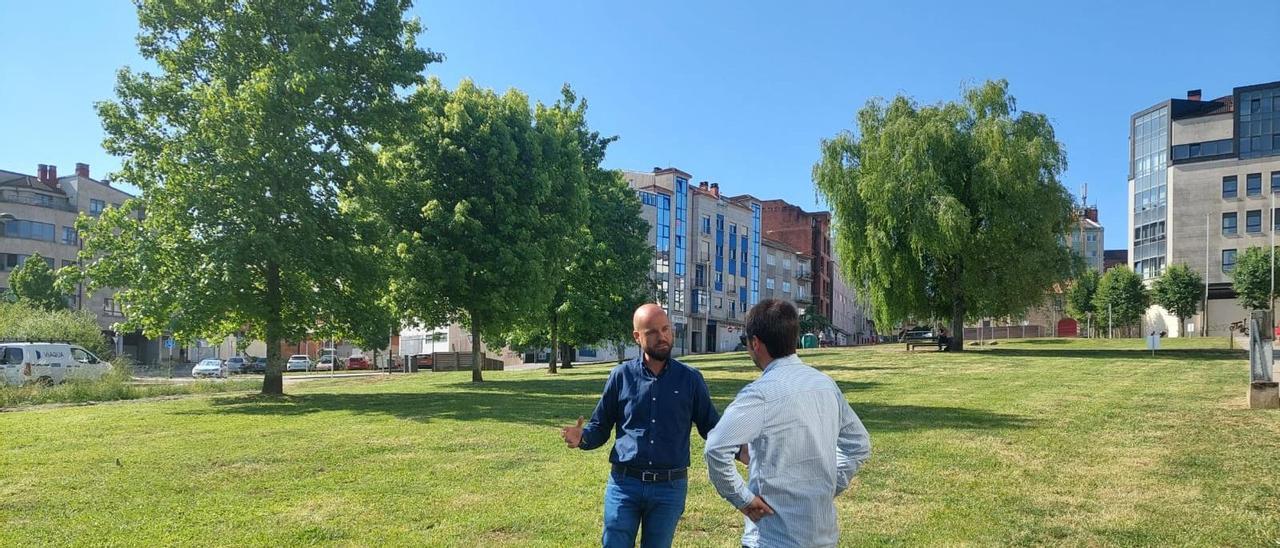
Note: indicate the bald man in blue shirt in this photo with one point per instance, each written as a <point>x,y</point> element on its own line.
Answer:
<point>650,404</point>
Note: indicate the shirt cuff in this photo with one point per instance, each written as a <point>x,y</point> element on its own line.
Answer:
<point>742,497</point>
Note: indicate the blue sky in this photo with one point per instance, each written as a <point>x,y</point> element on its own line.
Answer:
<point>738,93</point>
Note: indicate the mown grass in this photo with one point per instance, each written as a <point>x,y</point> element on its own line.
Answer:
<point>1045,443</point>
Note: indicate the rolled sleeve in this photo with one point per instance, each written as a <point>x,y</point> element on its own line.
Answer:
<point>741,423</point>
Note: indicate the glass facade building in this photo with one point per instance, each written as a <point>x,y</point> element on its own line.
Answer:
<point>1149,165</point>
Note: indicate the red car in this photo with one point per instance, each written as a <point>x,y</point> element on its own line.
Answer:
<point>357,362</point>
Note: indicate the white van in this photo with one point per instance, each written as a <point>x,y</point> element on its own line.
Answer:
<point>48,363</point>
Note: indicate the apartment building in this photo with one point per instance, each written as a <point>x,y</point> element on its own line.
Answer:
<point>44,208</point>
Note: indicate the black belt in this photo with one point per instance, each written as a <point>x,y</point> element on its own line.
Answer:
<point>652,475</point>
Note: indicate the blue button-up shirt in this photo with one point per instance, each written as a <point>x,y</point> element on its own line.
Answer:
<point>651,415</point>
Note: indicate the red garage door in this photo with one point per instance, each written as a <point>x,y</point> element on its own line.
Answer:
<point>1067,327</point>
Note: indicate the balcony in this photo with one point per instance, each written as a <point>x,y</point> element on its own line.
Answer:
<point>36,199</point>
<point>804,275</point>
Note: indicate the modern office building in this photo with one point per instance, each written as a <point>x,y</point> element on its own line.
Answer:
<point>1202,175</point>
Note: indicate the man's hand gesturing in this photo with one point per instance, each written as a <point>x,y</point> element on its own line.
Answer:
<point>572,434</point>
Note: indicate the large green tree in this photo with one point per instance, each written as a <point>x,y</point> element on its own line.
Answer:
<point>1178,290</point>
<point>949,210</point>
<point>1121,299</point>
<point>1080,297</point>
<point>471,202</point>
<point>1251,279</point>
<point>605,278</point>
<point>34,283</point>
<point>261,115</point>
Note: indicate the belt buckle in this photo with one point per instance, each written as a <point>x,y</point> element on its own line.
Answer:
<point>648,476</point>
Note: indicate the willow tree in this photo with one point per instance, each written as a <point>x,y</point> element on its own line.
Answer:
<point>948,210</point>
<point>259,118</point>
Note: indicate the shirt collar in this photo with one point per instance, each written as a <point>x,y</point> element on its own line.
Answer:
<point>640,369</point>
<point>782,362</point>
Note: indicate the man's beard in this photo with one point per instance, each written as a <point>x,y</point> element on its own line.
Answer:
<point>658,354</point>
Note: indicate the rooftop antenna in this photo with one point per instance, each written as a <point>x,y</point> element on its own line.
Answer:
<point>1084,195</point>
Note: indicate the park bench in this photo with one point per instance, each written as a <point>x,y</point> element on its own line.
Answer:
<point>921,338</point>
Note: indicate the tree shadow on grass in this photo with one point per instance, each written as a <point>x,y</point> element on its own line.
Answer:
<point>1117,354</point>
<point>548,402</point>
<point>881,417</point>
<point>556,411</point>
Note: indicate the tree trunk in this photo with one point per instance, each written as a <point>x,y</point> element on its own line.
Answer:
<point>555,341</point>
<point>273,380</point>
<point>1182,326</point>
<point>956,344</point>
<point>477,352</point>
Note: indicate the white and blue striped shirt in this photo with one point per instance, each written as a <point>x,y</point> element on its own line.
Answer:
<point>806,444</point>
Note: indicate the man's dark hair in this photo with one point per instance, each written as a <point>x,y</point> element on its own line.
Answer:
<point>777,324</point>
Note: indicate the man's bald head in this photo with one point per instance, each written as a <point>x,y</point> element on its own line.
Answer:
<point>652,331</point>
<point>645,314</point>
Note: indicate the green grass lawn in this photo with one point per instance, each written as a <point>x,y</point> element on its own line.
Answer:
<point>1038,442</point>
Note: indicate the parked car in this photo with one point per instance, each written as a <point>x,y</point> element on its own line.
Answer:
<point>325,363</point>
<point>48,363</point>
<point>357,362</point>
<point>237,365</point>
<point>209,367</point>
<point>298,362</point>
<point>257,365</point>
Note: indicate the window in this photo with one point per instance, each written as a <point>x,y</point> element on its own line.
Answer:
<point>31,230</point>
<point>768,283</point>
<point>1229,186</point>
<point>1228,260</point>
<point>1275,181</point>
<point>1228,223</point>
<point>1255,106</point>
<point>69,236</point>
<point>1275,219</point>
<point>1253,221</point>
<point>111,308</point>
<point>96,207</point>
<point>786,263</point>
<point>771,260</point>
<point>706,224</point>
<point>700,276</point>
<point>786,287</point>
<point>1253,184</point>
<point>720,222</point>
<point>719,281</point>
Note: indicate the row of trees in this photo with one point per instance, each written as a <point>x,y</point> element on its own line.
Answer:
<point>289,185</point>
<point>1119,297</point>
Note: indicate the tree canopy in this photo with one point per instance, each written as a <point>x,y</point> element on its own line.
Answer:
<point>34,283</point>
<point>948,210</point>
<point>1251,278</point>
<point>245,143</point>
<point>1179,290</point>
<point>1121,298</point>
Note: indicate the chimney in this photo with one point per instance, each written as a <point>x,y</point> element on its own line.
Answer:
<point>53,173</point>
<point>715,189</point>
<point>43,170</point>
<point>1193,95</point>
<point>82,170</point>
<point>702,185</point>
<point>1091,213</point>
<point>656,169</point>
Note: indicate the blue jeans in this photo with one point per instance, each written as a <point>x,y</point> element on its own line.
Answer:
<point>653,507</point>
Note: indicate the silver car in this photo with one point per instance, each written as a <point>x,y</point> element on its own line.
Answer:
<point>298,362</point>
<point>210,367</point>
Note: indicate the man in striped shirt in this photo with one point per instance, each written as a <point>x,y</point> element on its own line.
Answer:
<point>805,442</point>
